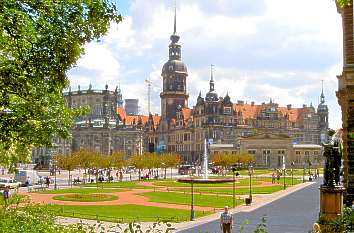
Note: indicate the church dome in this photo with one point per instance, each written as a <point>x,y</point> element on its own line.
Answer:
<point>174,66</point>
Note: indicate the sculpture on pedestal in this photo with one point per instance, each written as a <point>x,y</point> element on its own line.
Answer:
<point>333,155</point>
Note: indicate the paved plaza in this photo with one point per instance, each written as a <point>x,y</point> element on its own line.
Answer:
<point>293,213</point>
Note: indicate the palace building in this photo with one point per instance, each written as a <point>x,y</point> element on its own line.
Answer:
<point>184,129</point>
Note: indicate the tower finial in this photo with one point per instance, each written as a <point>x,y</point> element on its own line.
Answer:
<point>175,23</point>
<point>175,38</point>
<point>322,95</point>
<point>211,77</point>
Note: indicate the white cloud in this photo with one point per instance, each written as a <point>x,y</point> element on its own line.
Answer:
<point>263,49</point>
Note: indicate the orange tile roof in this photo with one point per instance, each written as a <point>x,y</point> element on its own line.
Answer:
<point>129,120</point>
<point>121,113</point>
<point>251,111</point>
<point>293,113</point>
<point>187,114</point>
<point>248,111</point>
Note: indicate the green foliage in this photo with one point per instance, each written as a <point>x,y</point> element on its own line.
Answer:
<point>39,43</point>
<point>33,219</point>
<point>262,227</point>
<point>344,3</point>
<point>344,223</point>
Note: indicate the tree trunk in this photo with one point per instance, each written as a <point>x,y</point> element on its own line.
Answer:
<point>171,172</point>
<point>165,172</point>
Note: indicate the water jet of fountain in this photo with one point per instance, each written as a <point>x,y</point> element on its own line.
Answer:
<point>205,159</point>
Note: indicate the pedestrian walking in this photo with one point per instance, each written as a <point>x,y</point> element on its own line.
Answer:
<point>273,178</point>
<point>226,221</point>
<point>120,176</point>
<point>28,183</point>
<point>47,181</point>
<point>6,195</point>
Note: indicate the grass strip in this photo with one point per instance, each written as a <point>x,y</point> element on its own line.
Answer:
<point>126,213</point>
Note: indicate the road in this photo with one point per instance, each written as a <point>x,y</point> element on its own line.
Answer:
<point>294,213</point>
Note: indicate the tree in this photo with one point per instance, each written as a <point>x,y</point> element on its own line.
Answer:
<point>169,160</point>
<point>138,162</point>
<point>67,162</point>
<point>39,43</point>
<point>86,158</point>
<point>343,3</point>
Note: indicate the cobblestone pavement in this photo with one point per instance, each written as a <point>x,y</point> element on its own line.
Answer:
<point>293,213</point>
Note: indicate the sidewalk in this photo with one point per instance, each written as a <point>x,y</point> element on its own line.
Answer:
<point>258,201</point>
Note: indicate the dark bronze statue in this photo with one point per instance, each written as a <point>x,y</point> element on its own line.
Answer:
<point>333,155</point>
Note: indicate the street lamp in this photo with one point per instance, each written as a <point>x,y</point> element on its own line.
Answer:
<point>303,176</point>
<point>192,199</point>
<point>292,173</point>
<point>233,185</point>
<point>310,164</point>
<point>250,167</point>
<point>55,174</point>
<point>284,178</point>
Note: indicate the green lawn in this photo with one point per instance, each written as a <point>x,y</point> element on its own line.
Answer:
<point>85,197</point>
<point>185,199</point>
<point>240,182</point>
<point>126,213</point>
<point>260,171</point>
<point>82,190</point>
<point>238,191</point>
<point>123,184</point>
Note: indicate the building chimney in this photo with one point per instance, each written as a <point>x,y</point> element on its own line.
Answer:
<point>288,106</point>
<point>252,103</point>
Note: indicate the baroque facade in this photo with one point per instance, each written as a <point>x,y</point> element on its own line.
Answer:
<point>218,119</point>
<point>181,128</point>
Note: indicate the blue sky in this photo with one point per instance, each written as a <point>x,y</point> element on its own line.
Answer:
<point>261,49</point>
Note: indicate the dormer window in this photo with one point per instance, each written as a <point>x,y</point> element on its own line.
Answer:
<point>170,68</point>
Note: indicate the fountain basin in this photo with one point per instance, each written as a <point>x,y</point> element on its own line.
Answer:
<point>198,180</point>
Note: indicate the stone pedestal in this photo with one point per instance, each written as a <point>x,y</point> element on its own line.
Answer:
<point>331,201</point>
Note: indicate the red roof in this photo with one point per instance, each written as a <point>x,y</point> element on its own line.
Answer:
<point>187,114</point>
<point>250,111</point>
<point>129,120</point>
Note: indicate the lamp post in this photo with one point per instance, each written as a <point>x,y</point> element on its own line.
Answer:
<point>250,167</point>
<point>303,176</point>
<point>192,200</point>
<point>55,174</point>
<point>284,170</point>
<point>292,173</point>
<point>310,164</point>
<point>233,186</point>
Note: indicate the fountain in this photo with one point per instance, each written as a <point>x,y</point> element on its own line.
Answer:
<point>205,160</point>
<point>205,179</point>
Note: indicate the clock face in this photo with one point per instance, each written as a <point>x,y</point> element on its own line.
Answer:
<point>170,101</point>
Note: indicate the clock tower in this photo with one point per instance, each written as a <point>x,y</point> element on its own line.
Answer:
<point>174,74</point>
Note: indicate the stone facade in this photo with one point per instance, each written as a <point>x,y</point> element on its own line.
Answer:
<point>183,129</point>
<point>345,96</point>
<point>102,129</point>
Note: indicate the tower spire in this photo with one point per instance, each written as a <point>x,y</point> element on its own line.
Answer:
<point>174,37</point>
<point>175,23</point>
<point>322,95</point>
<point>211,84</point>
